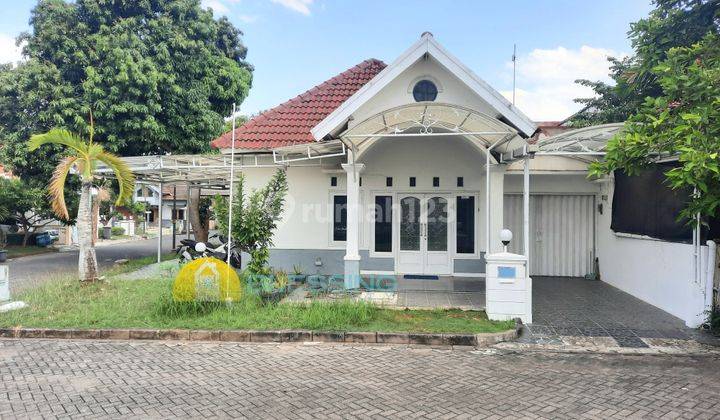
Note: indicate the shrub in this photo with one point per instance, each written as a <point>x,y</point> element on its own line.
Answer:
<point>117,231</point>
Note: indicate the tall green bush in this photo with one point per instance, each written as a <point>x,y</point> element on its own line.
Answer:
<point>255,218</point>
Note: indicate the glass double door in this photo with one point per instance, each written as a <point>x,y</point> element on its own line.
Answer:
<point>424,234</point>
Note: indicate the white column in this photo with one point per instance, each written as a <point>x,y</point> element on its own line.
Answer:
<point>187,212</point>
<point>160,212</point>
<point>352,244</point>
<point>526,212</point>
<point>495,206</point>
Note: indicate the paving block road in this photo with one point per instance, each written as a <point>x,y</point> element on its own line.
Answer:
<point>71,378</point>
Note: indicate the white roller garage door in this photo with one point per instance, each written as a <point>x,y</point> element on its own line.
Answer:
<point>562,232</point>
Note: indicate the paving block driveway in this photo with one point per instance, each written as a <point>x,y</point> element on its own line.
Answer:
<point>65,378</point>
<point>579,307</point>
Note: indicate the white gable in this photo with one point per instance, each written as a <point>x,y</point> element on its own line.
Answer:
<point>425,59</point>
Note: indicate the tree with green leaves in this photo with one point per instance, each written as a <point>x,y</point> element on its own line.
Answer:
<point>255,218</point>
<point>24,205</point>
<point>673,23</point>
<point>159,75</point>
<point>83,157</point>
<point>682,122</point>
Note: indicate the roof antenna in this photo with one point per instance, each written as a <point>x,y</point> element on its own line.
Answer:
<point>514,60</point>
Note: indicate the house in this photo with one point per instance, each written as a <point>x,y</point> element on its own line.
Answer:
<point>407,142</point>
<point>414,167</point>
<point>174,203</point>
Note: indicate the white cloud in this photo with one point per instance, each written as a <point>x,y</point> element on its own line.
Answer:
<point>222,7</point>
<point>300,6</point>
<point>217,6</point>
<point>546,79</point>
<point>248,18</point>
<point>9,52</point>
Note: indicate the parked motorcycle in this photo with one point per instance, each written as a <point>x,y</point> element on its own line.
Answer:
<point>191,250</point>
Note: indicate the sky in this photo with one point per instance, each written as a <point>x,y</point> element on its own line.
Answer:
<point>297,44</point>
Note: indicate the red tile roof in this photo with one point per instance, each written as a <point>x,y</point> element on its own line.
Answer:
<point>290,123</point>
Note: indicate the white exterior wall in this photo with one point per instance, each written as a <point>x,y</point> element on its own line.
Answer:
<point>307,218</point>
<point>658,272</point>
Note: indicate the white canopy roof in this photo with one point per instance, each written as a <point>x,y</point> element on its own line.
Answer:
<point>586,140</point>
<point>433,119</point>
<point>210,171</point>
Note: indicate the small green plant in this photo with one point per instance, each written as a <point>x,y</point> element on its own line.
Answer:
<point>3,239</point>
<point>117,231</point>
<point>297,270</point>
<point>281,279</point>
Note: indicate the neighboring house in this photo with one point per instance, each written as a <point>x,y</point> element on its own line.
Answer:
<point>174,203</point>
<point>387,174</point>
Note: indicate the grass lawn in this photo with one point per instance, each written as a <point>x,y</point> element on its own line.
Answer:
<point>116,237</point>
<point>149,304</point>
<point>14,251</point>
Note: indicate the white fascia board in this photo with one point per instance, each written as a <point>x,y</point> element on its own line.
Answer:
<point>482,88</point>
<point>370,89</point>
<point>426,44</point>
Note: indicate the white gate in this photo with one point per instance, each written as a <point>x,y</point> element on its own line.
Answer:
<point>562,229</point>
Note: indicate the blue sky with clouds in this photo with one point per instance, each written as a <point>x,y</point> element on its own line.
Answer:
<point>296,44</point>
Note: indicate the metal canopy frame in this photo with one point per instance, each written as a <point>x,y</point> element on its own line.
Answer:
<point>309,151</point>
<point>207,171</point>
<point>586,141</point>
<point>486,132</point>
<point>429,120</point>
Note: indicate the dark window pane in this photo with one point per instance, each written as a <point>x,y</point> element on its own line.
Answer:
<point>425,90</point>
<point>333,181</point>
<point>460,182</point>
<point>383,224</point>
<point>436,181</point>
<point>339,218</point>
<point>466,225</point>
<point>412,181</point>
<point>388,181</point>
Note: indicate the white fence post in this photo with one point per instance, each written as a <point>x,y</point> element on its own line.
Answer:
<point>4,283</point>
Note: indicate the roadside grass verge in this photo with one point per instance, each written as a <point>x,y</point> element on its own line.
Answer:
<point>14,251</point>
<point>149,304</point>
<point>135,264</point>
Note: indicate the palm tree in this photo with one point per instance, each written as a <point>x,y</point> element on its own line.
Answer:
<point>83,157</point>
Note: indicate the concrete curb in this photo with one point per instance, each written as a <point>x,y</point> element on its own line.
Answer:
<point>282,336</point>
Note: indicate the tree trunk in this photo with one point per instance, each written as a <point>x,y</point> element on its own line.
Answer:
<point>87,262</point>
<point>200,229</point>
<point>95,207</point>
<point>26,235</point>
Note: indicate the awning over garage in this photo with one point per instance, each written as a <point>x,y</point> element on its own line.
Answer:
<point>587,140</point>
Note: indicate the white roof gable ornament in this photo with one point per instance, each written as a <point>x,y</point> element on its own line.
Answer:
<point>426,45</point>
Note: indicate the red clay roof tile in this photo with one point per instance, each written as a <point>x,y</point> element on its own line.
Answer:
<point>290,123</point>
